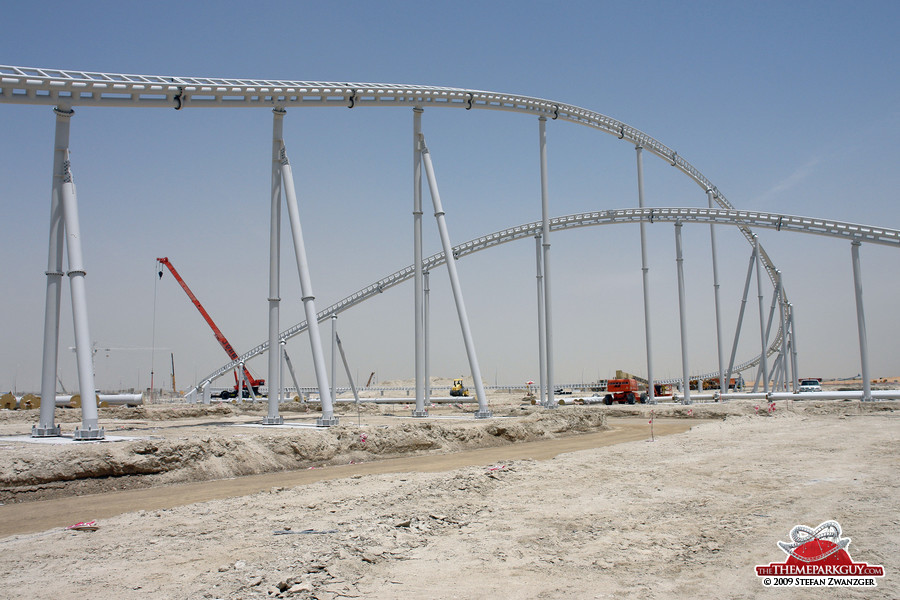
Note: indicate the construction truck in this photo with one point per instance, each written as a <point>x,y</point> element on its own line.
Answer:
<point>623,390</point>
<point>458,388</point>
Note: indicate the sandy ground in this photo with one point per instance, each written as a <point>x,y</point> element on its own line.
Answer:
<point>685,516</point>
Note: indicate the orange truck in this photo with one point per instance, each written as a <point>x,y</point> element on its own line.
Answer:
<point>623,390</point>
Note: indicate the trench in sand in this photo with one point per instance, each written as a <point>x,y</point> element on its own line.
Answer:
<point>30,517</point>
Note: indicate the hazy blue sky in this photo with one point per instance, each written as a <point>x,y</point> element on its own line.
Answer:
<point>787,107</point>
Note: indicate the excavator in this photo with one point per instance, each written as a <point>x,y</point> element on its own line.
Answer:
<point>253,383</point>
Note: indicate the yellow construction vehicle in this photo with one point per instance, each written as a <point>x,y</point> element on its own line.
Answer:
<point>458,388</point>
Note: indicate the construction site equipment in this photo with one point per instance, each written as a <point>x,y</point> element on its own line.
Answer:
<point>734,383</point>
<point>248,379</point>
<point>623,390</point>
<point>103,400</point>
<point>371,377</point>
<point>458,388</point>
<point>8,401</point>
<point>174,391</point>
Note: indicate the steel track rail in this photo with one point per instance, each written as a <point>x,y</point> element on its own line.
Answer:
<point>740,218</point>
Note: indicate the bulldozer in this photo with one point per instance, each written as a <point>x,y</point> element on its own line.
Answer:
<point>458,388</point>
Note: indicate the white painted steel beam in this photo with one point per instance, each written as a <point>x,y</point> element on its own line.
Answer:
<point>90,429</point>
<point>723,384</point>
<point>274,365</point>
<point>307,297</point>
<point>861,322</point>
<point>545,261</point>
<point>418,292</point>
<point>645,280</point>
<point>483,411</point>
<point>682,319</point>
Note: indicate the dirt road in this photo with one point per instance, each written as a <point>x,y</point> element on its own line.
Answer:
<point>30,517</point>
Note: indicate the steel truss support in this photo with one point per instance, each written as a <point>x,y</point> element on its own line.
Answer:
<point>762,318</point>
<point>542,341</point>
<point>645,279</point>
<point>290,366</point>
<point>682,318</point>
<point>250,391</point>
<point>775,296</point>
<point>427,340</point>
<point>334,356</point>
<point>723,383</point>
<point>783,325</point>
<point>309,300</point>
<point>740,319</point>
<point>49,367</point>
<point>340,347</point>
<point>274,373</point>
<point>861,321</point>
<point>90,429</point>
<point>793,348</point>
<point>483,411</point>
<point>242,383</point>
<point>418,285</point>
<point>776,373</point>
<point>545,239</point>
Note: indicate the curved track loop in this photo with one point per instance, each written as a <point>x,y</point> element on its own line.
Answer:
<point>739,218</point>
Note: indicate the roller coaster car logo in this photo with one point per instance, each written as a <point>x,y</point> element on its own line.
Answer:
<point>818,557</point>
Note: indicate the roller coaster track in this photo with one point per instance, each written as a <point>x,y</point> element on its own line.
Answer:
<point>68,88</point>
<point>55,87</point>
<point>739,218</point>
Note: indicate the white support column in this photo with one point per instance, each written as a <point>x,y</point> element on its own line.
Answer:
<point>353,389</point>
<point>90,429</point>
<point>645,279</point>
<point>545,237</point>
<point>282,392</point>
<point>334,344</point>
<point>46,426</point>
<point>290,366</point>
<point>426,339</point>
<point>762,317</point>
<point>682,319</point>
<point>418,278</point>
<point>740,320</point>
<point>483,412</point>
<point>784,332</point>
<point>723,383</point>
<point>861,322</point>
<point>206,393</point>
<point>793,348</point>
<point>242,383</point>
<point>542,341</point>
<point>274,373</point>
<point>309,300</point>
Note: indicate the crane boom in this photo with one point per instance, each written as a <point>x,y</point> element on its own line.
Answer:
<point>220,337</point>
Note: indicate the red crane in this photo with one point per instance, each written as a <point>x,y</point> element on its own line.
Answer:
<point>254,383</point>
